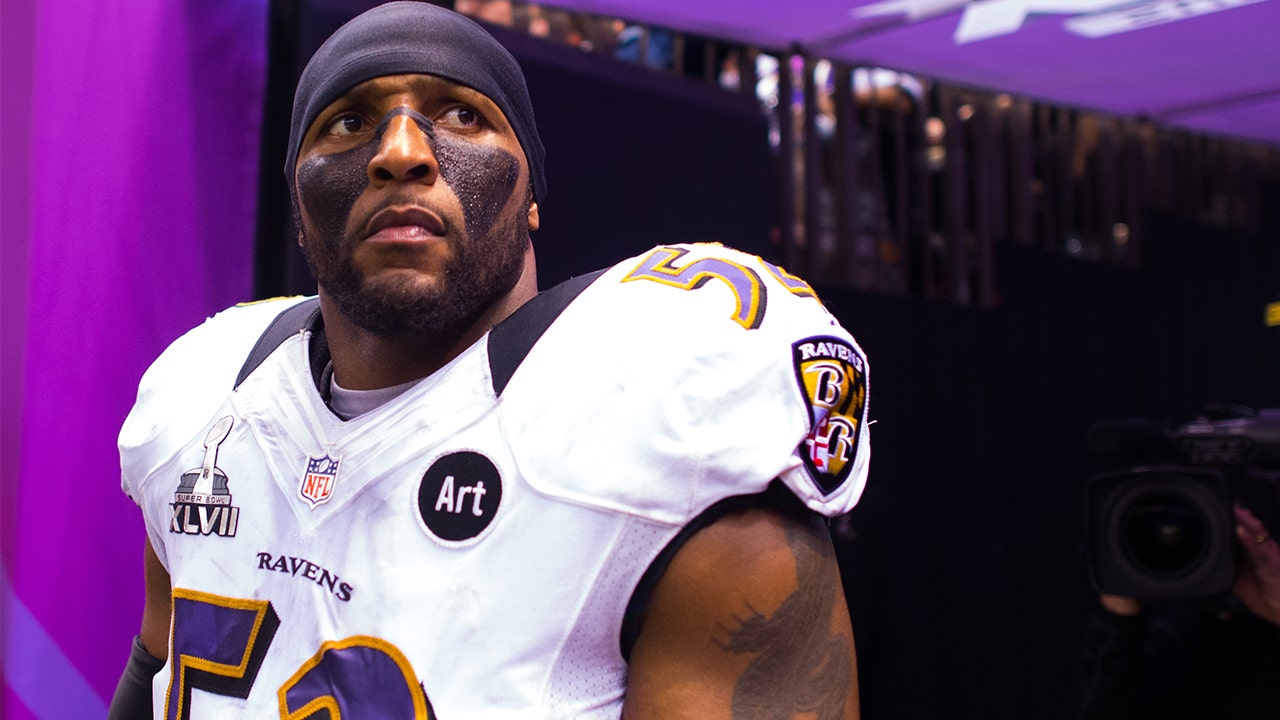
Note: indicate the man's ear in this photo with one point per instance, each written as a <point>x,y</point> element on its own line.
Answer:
<point>533,216</point>
<point>296,212</point>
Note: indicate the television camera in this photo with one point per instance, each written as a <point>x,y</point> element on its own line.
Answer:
<point>1159,517</point>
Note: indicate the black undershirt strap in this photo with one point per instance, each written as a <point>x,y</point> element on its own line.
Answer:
<point>512,339</point>
<point>286,325</point>
<point>509,342</point>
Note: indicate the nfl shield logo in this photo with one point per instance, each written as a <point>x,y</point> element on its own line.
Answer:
<point>317,482</point>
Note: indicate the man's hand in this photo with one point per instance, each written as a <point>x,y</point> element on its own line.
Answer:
<point>1258,576</point>
<point>1122,606</point>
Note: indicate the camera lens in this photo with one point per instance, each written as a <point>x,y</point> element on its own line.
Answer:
<point>1165,533</point>
<point>1161,532</point>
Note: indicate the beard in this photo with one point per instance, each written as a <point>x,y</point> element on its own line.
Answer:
<point>479,272</point>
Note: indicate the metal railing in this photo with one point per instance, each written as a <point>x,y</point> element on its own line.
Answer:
<point>898,184</point>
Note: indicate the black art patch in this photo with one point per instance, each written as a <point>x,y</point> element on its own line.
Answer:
<point>459,496</point>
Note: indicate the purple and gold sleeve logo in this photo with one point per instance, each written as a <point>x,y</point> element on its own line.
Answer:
<point>833,380</point>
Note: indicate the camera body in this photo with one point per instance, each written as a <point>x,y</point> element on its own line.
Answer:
<point>1159,517</point>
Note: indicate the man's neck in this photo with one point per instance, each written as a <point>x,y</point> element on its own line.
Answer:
<point>365,360</point>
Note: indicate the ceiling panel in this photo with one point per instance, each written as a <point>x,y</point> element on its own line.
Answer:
<point>1207,65</point>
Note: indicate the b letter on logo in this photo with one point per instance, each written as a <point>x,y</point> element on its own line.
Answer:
<point>459,496</point>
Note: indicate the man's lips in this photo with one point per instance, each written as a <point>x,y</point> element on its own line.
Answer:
<point>404,224</point>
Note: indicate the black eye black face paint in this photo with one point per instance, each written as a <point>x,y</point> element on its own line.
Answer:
<point>329,185</point>
<point>482,177</point>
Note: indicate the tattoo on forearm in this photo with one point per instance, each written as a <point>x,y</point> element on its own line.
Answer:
<point>800,666</point>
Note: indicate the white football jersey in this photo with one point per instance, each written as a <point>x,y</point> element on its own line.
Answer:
<point>469,549</point>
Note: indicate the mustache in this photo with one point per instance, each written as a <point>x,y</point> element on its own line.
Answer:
<point>405,201</point>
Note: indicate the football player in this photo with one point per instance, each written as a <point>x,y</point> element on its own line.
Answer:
<point>433,491</point>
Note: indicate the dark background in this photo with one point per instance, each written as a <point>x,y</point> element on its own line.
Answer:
<point>963,563</point>
<point>965,573</point>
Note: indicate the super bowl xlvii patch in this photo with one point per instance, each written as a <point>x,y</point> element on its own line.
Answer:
<point>202,504</point>
<point>317,482</point>
<point>833,380</point>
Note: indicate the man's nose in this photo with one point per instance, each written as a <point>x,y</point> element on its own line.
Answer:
<point>404,153</point>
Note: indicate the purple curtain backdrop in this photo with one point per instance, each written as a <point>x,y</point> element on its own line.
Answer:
<point>130,175</point>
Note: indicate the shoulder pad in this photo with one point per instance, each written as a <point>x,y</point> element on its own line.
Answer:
<point>687,375</point>
<point>188,382</point>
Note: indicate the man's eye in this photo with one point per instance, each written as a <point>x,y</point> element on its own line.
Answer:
<point>346,125</point>
<point>460,116</point>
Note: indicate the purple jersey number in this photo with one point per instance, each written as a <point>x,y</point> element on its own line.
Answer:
<point>219,643</point>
